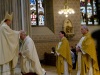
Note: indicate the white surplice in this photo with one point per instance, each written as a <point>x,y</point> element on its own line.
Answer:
<point>79,55</point>
<point>5,69</point>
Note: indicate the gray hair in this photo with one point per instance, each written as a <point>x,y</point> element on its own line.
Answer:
<point>85,27</point>
<point>23,32</point>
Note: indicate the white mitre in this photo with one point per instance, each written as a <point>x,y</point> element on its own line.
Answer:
<point>8,16</point>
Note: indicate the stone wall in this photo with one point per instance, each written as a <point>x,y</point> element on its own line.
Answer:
<point>45,39</point>
<point>75,19</point>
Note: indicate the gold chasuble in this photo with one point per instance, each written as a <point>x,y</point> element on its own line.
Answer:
<point>88,46</point>
<point>64,54</point>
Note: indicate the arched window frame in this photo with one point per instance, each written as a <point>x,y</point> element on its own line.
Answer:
<point>88,10</point>
<point>37,13</point>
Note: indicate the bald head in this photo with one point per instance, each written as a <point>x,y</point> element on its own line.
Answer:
<point>84,29</point>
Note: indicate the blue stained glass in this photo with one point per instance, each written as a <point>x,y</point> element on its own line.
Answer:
<point>88,12</point>
<point>32,1</point>
<point>34,12</point>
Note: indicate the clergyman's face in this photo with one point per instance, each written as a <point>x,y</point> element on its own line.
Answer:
<point>83,30</point>
<point>61,35</point>
<point>9,22</point>
<point>22,36</point>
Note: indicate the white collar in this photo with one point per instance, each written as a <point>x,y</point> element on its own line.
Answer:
<point>26,38</point>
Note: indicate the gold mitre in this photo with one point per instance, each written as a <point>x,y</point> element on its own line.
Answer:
<point>8,16</point>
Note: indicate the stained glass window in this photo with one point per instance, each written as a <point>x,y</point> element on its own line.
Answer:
<point>37,12</point>
<point>88,12</point>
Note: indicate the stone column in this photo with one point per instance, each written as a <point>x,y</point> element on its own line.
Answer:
<point>26,15</point>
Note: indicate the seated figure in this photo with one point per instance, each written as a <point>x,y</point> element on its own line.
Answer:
<point>53,50</point>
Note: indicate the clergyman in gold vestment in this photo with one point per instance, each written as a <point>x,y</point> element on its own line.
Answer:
<point>64,61</point>
<point>87,57</point>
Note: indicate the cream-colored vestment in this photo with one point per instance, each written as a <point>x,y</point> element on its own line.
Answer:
<point>9,45</point>
<point>29,59</point>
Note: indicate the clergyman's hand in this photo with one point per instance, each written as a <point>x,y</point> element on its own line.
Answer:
<point>20,54</point>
